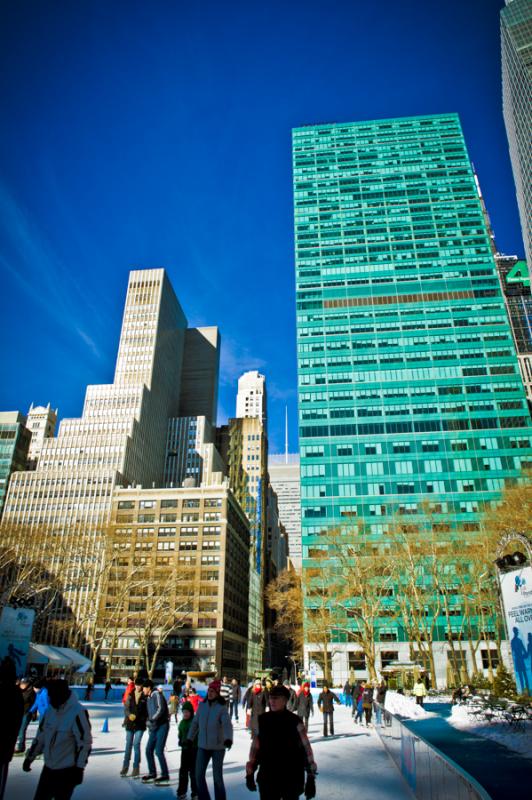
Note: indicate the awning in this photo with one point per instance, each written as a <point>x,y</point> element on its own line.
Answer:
<point>35,656</point>
<point>46,654</point>
<point>76,659</point>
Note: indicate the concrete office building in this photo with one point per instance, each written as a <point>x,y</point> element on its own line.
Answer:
<point>175,540</point>
<point>41,421</point>
<point>516,54</point>
<point>251,397</point>
<point>121,438</point>
<point>243,445</point>
<point>283,470</point>
<point>409,386</point>
<point>515,284</point>
<point>15,441</point>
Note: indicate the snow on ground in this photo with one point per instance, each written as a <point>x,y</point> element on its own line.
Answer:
<point>353,763</point>
<point>404,706</point>
<point>520,741</point>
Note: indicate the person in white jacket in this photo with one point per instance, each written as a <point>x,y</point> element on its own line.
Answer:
<point>215,735</point>
<point>64,737</point>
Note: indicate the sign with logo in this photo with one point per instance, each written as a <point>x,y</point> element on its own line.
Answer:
<point>516,590</point>
<point>169,671</point>
<point>16,625</point>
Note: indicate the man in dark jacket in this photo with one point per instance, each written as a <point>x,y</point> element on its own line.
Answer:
<point>256,704</point>
<point>305,704</point>
<point>28,696</point>
<point>234,699</point>
<point>12,711</point>
<point>292,700</point>
<point>282,752</point>
<point>135,718</point>
<point>326,701</point>
<point>158,724</point>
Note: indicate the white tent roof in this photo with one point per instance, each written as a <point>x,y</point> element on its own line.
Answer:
<point>56,656</point>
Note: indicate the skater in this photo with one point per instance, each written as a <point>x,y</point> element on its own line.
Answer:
<point>326,701</point>
<point>367,703</point>
<point>189,752</point>
<point>256,704</point>
<point>12,712</point>
<point>89,689</point>
<point>305,704</point>
<point>158,724</point>
<point>234,700</point>
<point>292,700</point>
<point>64,737</point>
<point>136,715</point>
<point>29,696</point>
<point>107,689</point>
<point>130,687</point>
<point>212,726</point>
<point>282,752</point>
<point>380,697</point>
<point>357,706</point>
<point>348,690</point>
<point>420,692</point>
<point>225,689</point>
<point>42,701</point>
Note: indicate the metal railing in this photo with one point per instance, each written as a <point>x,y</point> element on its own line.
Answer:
<point>430,774</point>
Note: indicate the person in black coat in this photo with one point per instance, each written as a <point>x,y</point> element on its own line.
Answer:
<point>256,703</point>
<point>135,716</point>
<point>292,700</point>
<point>304,704</point>
<point>234,699</point>
<point>326,701</point>
<point>12,712</point>
<point>28,696</point>
<point>282,752</point>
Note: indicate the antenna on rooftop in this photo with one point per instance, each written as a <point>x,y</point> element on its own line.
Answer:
<point>286,434</point>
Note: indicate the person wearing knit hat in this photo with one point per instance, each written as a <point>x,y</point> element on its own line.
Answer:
<point>212,726</point>
<point>282,752</point>
<point>189,750</point>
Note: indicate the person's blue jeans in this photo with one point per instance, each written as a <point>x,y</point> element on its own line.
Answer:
<point>133,739</point>
<point>233,709</point>
<point>378,714</point>
<point>348,700</point>
<point>21,739</point>
<point>202,762</point>
<point>156,742</point>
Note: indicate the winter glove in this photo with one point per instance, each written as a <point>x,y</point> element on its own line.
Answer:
<point>26,765</point>
<point>77,775</point>
<point>310,787</point>
<point>250,783</point>
<point>228,744</point>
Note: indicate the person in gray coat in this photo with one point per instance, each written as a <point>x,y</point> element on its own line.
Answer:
<point>215,735</point>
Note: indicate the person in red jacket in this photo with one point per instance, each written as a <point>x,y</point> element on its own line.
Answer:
<point>129,688</point>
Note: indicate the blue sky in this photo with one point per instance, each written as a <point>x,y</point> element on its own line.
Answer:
<point>145,134</point>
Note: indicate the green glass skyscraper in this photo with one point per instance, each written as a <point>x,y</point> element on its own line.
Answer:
<point>409,387</point>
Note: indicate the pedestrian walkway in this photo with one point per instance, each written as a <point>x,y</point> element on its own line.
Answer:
<point>351,764</point>
<point>500,771</point>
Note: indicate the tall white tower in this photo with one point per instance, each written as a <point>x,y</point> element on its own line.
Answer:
<point>251,397</point>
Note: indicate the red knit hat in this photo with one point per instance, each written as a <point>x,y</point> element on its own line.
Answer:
<point>216,685</point>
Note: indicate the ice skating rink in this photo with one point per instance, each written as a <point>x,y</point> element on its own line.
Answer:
<point>351,764</point>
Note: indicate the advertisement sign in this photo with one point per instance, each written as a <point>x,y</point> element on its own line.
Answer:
<point>516,590</point>
<point>15,634</point>
<point>312,670</point>
<point>169,671</point>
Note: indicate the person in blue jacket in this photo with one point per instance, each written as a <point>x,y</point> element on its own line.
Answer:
<point>42,701</point>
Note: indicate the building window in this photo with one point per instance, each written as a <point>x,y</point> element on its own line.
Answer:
<point>387,656</point>
<point>357,660</point>
<point>126,504</point>
<point>147,504</point>
<point>168,503</point>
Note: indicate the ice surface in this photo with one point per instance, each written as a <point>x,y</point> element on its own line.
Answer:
<point>351,764</point>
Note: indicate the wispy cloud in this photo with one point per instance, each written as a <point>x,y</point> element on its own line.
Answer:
<point>236,359</point>
<point>276,392</point>
<point>39,270</point>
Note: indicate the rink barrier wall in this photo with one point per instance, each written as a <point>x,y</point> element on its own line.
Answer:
<point>430,774</point>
